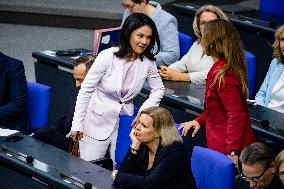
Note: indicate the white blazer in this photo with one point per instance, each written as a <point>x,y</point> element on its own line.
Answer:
<point>99,101</point>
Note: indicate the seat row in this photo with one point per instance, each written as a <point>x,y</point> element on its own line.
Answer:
<point>185,42</point>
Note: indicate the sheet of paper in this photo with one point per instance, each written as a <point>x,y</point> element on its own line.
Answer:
<point>7,132</point>
<point>49,52</point>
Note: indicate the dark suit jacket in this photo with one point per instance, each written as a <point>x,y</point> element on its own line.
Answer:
<point>170,169</point>
<point>13,94</point>
<point>55,134</point>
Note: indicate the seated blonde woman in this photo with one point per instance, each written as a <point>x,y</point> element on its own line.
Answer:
<point>195,64</point>
<point>280,166</point>
<point>156,158</point>
<point>271,91</point>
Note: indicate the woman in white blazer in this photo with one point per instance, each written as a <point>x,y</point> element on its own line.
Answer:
<point>115,79</point>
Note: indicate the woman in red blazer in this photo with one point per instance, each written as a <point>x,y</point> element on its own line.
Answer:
<point>226,118</point>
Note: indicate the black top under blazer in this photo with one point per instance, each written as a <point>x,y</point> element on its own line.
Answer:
<point>170,169</point>
<point>13,94</point>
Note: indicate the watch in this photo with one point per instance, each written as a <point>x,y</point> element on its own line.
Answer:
<point>133,151</point>
<point>232,153</point>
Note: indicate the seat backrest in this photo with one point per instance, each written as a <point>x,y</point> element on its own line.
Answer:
<point>38,105</point>
<point>211,169</point>
<point>272,6</point>
<point>123,139</point>
<point>251,72</point>
<point>185,43</point>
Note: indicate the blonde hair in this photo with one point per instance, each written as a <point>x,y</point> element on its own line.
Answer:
<point>164,124</point>
<point>222,40</point>
<point>276,45</point>
<point>206,8</point>
<point>279,159</point>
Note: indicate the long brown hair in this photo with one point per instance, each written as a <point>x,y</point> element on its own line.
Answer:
<point>276,45</point>
<point>222,40</point>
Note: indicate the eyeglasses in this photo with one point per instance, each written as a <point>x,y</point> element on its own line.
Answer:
<point>129,7</point>
<point>254,179</point>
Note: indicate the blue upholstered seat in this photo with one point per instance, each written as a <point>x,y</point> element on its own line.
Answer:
<point>123,139</point>
<point>211,169</point>
<point>272,6</point>
<point>38,105</point>
<point>251,72</point>
<point>185,43</point>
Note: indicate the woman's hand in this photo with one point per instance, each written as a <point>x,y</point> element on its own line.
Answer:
<point>169,74</point>
<point>136,119</point>
<point>188,125</point>
<point>113,175</point>
<point>235,159</point>
<point>135,142</point>
<point>76,135</point>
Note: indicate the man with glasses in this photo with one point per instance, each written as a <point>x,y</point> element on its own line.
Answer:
<point>166,24</point>
<point>257,168</point>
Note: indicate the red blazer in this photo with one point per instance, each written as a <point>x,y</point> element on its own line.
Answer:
<point>226,116</point>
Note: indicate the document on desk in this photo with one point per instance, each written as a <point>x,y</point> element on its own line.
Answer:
<point>7,132</point>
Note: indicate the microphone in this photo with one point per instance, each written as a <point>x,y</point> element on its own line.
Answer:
<point>77,181</point>
<point>30,159</point>
<point>88,185</point>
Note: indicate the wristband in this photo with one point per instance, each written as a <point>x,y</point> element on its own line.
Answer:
<point>133,151</point>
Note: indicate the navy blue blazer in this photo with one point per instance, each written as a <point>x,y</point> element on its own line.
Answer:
<point>13,94</point>
<point>170,169</point>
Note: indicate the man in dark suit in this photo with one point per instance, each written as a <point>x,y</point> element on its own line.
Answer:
<point>13,94</point>
<point>55,134</point>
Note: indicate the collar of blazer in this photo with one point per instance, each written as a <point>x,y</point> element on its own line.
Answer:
<point>140,65</point>
<point>164,151</point>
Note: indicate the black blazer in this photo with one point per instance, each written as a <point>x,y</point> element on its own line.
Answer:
<point>13,94</point>
<point>170,169</point>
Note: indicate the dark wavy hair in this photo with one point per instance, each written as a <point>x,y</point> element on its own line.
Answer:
<point>133,22</point>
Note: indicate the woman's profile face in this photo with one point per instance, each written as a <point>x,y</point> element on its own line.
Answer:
<point>281,172</point>
<point>140,39</point>
<point>204,18</point>
<point>281,43</point>
<point>145,131</point>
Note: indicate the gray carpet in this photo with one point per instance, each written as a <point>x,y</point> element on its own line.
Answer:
<point>19,41</point>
